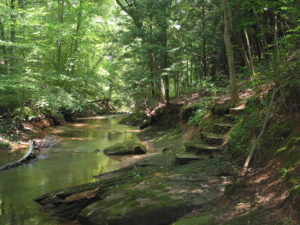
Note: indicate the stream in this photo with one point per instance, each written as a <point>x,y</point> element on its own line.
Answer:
<point>74,162</point>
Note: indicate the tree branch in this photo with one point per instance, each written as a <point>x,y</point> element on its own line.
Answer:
<point>263,129</point>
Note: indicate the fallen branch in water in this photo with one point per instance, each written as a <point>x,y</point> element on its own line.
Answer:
<point>24,158</point>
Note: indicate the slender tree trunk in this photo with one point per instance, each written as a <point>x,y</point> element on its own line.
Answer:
<point>258,46</point>
<point>204,60</point>
<point>13,19</point>
<point>251,64</point>
<point>152,72</point>
<point>261,133</point>
<point>176,84</point>
<point>151,65</point>
<point>243,51</point>
<point>76,40</point>
<point>3,48</point>
<point>276,61</point>
<point>198,72</point>
<point>191,71</point>
<point>59,42</point>
<point>187,73</point>
<point>229,48</point>
<point>164,76</point>
<point>261,28</point>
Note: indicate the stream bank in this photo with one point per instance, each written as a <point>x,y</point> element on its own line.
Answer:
<point>186,177</point>
<point>152,188</point>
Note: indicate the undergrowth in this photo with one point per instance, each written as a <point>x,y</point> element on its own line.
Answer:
<point>245,130</point>
<point>202,114</point>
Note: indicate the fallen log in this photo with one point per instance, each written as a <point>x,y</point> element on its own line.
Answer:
<point>24,158</point>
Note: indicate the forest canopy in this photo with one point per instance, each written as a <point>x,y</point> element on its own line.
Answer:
<point>66,55</point>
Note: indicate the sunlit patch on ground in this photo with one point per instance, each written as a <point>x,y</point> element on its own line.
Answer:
<point>78,125</point>
<point>93,118</point>
<point>132,131</point>
<point>56,131</point>
<point>100,117</point>
<point>242,207</point>
<point>78,139</point>
<point>265,190</point>
<point>21,146</point>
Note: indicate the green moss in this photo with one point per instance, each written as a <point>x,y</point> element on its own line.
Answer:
<point>289,152</point>
<point>133,119</point>
<point>280,131</point>
<point>205,219</point>
<point>241,135</point>
<point>295,192</point>
<point>253,218</point>
<point>223,108</point>
<point>202,113</point>
<point>164,138</point>
<point>126,148</point>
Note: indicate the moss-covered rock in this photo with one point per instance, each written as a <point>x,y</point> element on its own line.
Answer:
<point>141,196</point>
<point>253,218</point>
<point>205,219</point>
<point>200,148</point>
<point>135,119</point>
<point>160,197</point>
<point>126,148</point>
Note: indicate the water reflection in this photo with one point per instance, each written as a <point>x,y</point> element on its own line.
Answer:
<point>6,157</point>
<point>74,163</point>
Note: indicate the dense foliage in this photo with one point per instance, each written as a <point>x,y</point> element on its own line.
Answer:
<point>58,56</point>
<point>53,57</point>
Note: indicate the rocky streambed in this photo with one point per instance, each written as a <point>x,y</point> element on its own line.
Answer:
<point>152,190</point>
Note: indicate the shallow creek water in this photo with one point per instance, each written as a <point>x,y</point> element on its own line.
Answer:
<point>74,162</point>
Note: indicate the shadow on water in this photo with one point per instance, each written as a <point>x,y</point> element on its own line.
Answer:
<point>75,162</point>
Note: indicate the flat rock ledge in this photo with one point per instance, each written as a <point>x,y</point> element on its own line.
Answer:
<point>125,148</point>
<point>140,196</point>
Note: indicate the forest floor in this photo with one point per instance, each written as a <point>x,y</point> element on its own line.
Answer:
<point>179,181</point>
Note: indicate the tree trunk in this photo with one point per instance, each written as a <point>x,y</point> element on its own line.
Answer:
<point>165,98</point>
<point>59,42</point>
<point>243,51</point>
<point>260,28</point>
<point>13,19</point>
<point>251,64</point>
<point>151,65</point>
<point>230,53</point>
<point>3,48</point>
<point>204,60</point>
<point>75,44</point>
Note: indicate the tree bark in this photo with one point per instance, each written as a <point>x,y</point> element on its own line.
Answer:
<point>261,133</point>
<point>13,19</point>
<point>251,64</point>
<point>165,97</point>
<point>204,60</point>
<point>76,40</point>
<point>59,43</point>
<point>3,48</point>
<point>229,49</point>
